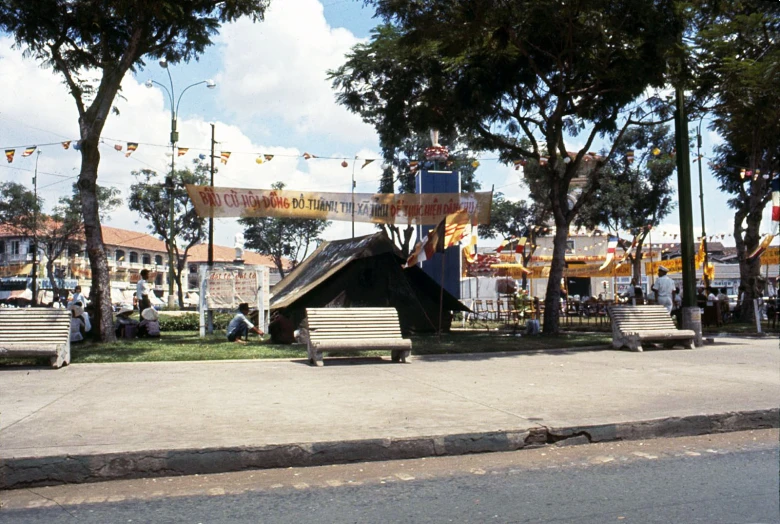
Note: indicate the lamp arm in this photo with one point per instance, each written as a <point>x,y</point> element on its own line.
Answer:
<point>184,91</point>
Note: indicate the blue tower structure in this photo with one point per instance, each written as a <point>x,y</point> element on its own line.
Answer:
<point>433,181</point>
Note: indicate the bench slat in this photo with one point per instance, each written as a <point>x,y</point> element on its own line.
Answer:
<point>36,332</point>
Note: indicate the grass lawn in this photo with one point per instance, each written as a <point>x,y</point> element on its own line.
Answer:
<point>187,345</point>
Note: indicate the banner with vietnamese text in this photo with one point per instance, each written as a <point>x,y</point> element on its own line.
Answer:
<point>380,208</point>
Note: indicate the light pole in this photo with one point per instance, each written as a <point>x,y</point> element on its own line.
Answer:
<point>35,234</point>
<point>701,201</point>
<point>169,180</point>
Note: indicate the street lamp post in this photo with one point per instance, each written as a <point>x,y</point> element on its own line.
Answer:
<point>169,182</point>
<point>35,234</point>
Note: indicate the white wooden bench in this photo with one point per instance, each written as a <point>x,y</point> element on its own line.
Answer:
<point>632,325</point>
<point>353,329</point>
<point>36,332</point>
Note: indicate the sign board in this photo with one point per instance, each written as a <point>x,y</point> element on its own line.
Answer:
<point>224,287</point>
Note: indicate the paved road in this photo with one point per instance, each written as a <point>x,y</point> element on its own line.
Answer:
<point>727,478</point>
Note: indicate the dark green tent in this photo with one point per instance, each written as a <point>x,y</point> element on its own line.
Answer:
<point>364,272</point>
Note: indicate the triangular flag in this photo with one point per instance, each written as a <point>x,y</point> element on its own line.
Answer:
<point>224,156</point>
<point>612,243</point>
<point>182,151</point>
<point>761,247</point>
<point>268,158</point>
<point>307,156</point>
<point>368,161</point>
<point>9,155</point>
<point>66,144</point>
<point>29,151</point>
<point>118,147</point>
<point>131,146</point>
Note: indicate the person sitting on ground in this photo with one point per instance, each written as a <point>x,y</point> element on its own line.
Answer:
<point>124,325</point>
<point>150,324</point>
<point>79,323</point>
<point>281,329</point>
<point>77,297</point>
<point>240,326</point>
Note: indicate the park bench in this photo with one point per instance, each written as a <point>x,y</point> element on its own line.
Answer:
<point>632,325</point>
<point>352,329</point>
<point>36,332</point>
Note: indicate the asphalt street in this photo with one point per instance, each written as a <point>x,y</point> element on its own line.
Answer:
<point>726,478</point>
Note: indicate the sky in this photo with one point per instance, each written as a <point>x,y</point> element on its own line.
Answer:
<point>272,97</point>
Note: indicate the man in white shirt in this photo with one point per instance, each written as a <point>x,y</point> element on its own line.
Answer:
<point>142,291</point>
<point>240,326</point>
<point>663,288</point>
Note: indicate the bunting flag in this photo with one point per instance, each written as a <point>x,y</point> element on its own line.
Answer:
<point>182,151</point>
<point>448,232</point>
<point>224,156</point>
<point>118,147</point>
<point>630,249</point>
<point>612,243</point>
<point>29,151</point>
<point>66,144</point>
<point>699,259</point>
<point>9,155</point>
<point>518,163</point>
<point>131,146</point>
<point>268,158</point>
<point>307,156</point>
<point>775,205</point>
<point>514,244</point>
<point>368,161</point>
<point>762,246</point>
<point>470,241</point>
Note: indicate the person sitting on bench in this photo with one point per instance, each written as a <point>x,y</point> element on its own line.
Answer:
<point>240,326</point>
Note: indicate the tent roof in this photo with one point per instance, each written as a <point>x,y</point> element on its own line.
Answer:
<point>325,262</point>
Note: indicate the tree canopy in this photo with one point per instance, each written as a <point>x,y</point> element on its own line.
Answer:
<point>507,74</point>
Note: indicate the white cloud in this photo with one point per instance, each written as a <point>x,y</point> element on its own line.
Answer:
<point>278,69</point>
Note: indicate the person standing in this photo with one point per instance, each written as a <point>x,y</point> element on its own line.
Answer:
<point>663,288</point>
<point>240,326</point>
<point>142,291</point>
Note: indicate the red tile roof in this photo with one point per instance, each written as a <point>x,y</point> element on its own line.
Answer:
<point>200,254</point>
<point>125,238</point>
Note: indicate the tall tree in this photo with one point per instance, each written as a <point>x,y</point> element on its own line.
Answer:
<point>283,239</point>
<point>503,71</point>
<point>151,198</point>
<point>635,194</point>
<point>739,68</point>
<point>102,40</point>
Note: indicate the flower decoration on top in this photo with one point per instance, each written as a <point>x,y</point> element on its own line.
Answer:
<point>436,152</point>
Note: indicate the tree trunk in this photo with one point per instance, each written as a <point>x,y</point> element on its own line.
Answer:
<point>747,241</point>
<point>552,299</point>
<point>101,285</point>
<point>55,291</point>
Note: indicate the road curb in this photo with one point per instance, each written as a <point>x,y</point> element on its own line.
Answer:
<point>74,469</point>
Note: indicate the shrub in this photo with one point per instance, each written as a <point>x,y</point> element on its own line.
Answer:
<point>191,322</point>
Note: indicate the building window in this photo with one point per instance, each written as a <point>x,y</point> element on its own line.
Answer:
<point>2,247</point>
<point>133,257</point>
<point>158,279</point>
<point>193,268</point>
<point>16,247</point>
<point>120,255</point>
<point>158,260</point>
<point>146,259</point>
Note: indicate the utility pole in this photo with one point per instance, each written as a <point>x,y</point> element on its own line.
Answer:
<point>353,196</point>
<point>35,234</point>
<point>701,201</point>
<point>211,211</point>
<point>691,318</point>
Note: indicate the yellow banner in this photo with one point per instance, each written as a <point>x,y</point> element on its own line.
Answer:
<point>674,266</point>
<point>584,271</point>
<point>380,208</point>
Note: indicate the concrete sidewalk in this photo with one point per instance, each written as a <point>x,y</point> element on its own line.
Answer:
<point>100,421</point>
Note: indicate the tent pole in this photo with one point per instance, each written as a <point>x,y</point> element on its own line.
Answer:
<point>441,295</point>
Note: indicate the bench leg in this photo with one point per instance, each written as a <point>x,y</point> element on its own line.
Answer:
<point>62,358</point>
<point>315,357</point>
<point>399,355</point>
